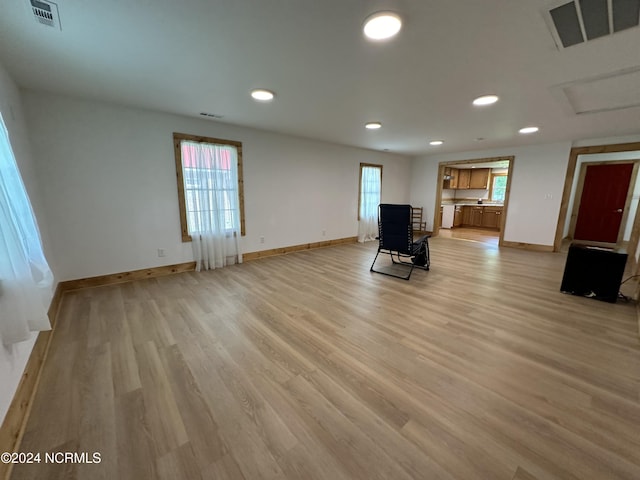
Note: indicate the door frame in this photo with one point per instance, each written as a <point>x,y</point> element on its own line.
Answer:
<point>627,205</point>
<point>443,165</point>
<point>568,181</point>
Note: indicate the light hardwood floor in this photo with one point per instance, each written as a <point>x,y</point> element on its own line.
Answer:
<point>308,366</point>
<point>471,234</point>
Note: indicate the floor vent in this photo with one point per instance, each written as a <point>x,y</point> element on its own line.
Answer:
<point>579,21</point>
<point>46,13</point>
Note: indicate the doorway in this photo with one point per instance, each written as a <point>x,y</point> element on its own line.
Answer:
<point>473,188</point>
<point>630,152</point>
<point>604,197</point>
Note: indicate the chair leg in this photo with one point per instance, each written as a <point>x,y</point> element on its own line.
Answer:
<point>428,256</point>
<point>371,269</point>
<point>374,261</point>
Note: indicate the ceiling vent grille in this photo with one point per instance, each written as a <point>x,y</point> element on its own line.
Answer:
<point>46,13</point>
<point>210,115</point>
<point>579,21</point>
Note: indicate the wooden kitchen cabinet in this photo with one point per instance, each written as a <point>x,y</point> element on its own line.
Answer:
<point>458,217</point>
<point>472,216</point>
<point>466,216</point>
<point>464,177</point>
<point>479,178</point>
<point>446,179</point>
<point>450,178</point>
<point>476,216</point>
<point>453,181</point>
<point>481,216</point>
<point>467,178</point>
<point>491,217</point>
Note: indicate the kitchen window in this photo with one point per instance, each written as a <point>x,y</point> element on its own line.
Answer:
<point>498,187</point>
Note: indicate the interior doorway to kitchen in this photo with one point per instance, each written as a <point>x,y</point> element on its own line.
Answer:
<point>472,199</point>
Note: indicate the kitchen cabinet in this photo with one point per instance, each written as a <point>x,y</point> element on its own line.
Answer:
<point>466,216</point>
<point>471,216</point>
<point>491,217</point>
<point>453,181</point>
<point>479,178</point>
<point>481,216</point>
<point>476,216</point>
<point>457,216</point>
<point>464,177</point>
<point>446,179</point>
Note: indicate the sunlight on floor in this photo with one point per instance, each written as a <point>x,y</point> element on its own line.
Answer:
<point>477,235</point>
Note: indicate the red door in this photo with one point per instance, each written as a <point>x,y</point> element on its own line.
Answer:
<point>602,203</point>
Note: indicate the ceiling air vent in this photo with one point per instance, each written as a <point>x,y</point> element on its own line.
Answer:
<point>579,21</point>
<point>46,13</point>
<point>210,115</point>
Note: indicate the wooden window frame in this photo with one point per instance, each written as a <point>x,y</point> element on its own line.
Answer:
<point>177,138</point>
<point>491,178</point>
<point>362,165</point>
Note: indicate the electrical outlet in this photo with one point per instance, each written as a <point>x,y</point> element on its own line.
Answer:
<point>161,252</point>
<point>261,239</point>
<point>324,232</point>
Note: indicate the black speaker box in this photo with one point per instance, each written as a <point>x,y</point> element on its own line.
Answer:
<point>594,272</point>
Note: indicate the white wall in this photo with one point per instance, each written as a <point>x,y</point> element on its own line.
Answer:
<point>606,141</point>
<point>465,194</point>
<point>536,188</point>
<point>111,198</point>
<point>448,194</point>
<point>473,193</point>
<point>13,359</point>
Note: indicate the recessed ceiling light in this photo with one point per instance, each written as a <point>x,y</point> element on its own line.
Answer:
<point>382,25</point>
<point>485,100</point>
<point>262,95</point>
<point>373,125</point>
<point>436,142</point>
<point>529,130</point>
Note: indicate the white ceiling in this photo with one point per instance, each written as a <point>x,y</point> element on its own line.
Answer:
<point>193,56</point>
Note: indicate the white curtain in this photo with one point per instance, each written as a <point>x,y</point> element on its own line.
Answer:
<point>212,203</point>
<point>25,277</point>
<point>369,201</point>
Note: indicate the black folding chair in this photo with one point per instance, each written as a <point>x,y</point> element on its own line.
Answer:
<point>395,236</point>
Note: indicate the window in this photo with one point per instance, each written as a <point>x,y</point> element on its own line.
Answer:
<point>368,200</point>
<point>498,187</point>
<point>210,186</point>
<point>25,277</point>
<point>370,186</point>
